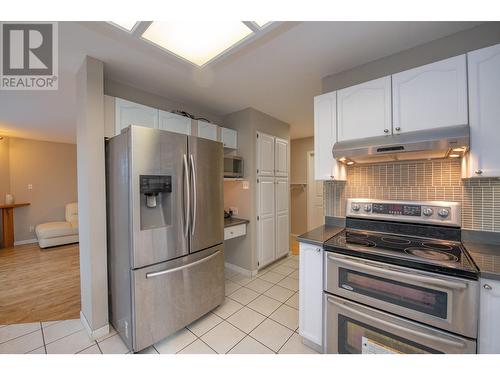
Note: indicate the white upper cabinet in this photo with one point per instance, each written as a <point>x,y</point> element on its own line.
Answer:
<point>206,130</point>
<point>364,110</point>
<point>483,159</point>
<point>265,155</point>
<point>174,122</point>
<point>281,157</point>
<point>229,138</point>
<point>130,113</point>
<point>430,96</point>
<point>325,136</point>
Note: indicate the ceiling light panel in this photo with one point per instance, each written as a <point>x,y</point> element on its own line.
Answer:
<point>197,41</point>
<point>262,23</point>
<point>127,25</point>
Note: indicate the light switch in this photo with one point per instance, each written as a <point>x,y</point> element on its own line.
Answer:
<point>30,187</point>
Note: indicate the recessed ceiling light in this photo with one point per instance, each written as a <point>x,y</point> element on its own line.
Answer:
<point>197,41</point>
<point>127,25</point>
<point>454,156</point>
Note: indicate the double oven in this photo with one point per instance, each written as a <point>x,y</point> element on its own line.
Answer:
<point>394,299</point>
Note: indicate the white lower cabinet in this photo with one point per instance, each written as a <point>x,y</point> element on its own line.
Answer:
<point>489,321</point>
<point>311,293</point>
<point>266,217</point>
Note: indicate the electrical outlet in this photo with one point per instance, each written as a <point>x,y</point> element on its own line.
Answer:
<point>31,228</point>
<point>30,186</point>
<point>234,209</point>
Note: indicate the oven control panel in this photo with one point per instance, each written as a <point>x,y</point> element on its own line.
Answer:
<point>444,213</point>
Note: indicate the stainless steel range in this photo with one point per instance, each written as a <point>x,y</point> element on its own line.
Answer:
<point>399,280</point>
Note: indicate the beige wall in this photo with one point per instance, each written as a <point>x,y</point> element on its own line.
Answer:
<point>480,36</point>
<point>242,252</point>
<point>50,168</point>
<point>298,174</point>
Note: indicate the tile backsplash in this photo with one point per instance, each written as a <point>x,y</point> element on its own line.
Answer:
<point>420,180</point>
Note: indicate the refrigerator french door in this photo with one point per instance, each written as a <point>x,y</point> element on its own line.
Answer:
<point>165,232</point>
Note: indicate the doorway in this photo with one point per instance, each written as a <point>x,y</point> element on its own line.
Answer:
<point>315,214</point>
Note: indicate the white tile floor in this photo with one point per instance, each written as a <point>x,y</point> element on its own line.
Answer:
<point>259,315</point>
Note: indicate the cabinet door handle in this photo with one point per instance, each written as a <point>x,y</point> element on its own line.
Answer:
<point>318,250</point>
<point>398,128</point>
<point>479,171</point>
<point>487,286</point>
<point>386,131</point>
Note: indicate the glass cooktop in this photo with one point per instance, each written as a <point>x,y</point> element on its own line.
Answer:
<point>441,256</point>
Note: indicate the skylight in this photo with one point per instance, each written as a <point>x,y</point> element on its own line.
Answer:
<point>127,25</point>
<point>197,41</point>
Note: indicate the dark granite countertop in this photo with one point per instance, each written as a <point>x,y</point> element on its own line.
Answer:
<point>486,257</point>
<point>232,221</point>
<point>320,234</point>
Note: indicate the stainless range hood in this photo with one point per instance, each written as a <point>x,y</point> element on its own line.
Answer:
<point>424,144</point>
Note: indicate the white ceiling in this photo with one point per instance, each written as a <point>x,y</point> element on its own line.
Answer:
<point>279,73</point>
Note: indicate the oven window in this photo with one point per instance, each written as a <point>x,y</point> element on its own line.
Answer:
<point>425,300</point>
<point>360,338</point>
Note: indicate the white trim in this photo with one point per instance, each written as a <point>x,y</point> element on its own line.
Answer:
<point>96,334</point>
<point>25,242</point>
<point>240,270</point>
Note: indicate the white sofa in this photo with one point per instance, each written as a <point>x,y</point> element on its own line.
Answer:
<point>59,232</point>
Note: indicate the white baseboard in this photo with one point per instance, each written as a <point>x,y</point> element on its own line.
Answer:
<point>241,270</point>
<point>25,242</point>
<point>93,334</point>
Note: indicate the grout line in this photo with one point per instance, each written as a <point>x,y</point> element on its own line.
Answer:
<point>43,338</point>
<point>24,334</point>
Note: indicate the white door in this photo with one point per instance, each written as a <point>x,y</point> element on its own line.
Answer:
<point>365,110</point>
<point>484,107</point>
<point>130,113</point>
<point>207,130</point>
<point>430,96</point>
<point>325,136</point>
<point>229,138</point>
<point>282,217</point>
<point>266,239</point>
<point>281,157</point>
<point>174,123</point>
<point>315,214</point>
<point>265,155</point>
<point>311,293</point>
<point>489,323</point>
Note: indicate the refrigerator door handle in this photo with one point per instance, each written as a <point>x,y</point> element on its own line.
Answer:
<point>195,196</point>
<point>187,209</point>
<point>177,269</point>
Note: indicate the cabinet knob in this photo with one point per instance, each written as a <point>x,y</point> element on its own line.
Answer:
<point>398,128</point>
<point>386,131</point>
<point>487,286</point>
<point>479,171</point>
<point>318,250</point>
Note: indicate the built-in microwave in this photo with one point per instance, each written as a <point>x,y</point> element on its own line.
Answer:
<point>233,166</point>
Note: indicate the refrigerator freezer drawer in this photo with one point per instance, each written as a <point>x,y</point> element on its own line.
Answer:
<point>168,296</point>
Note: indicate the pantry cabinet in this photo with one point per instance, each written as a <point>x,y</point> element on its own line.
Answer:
<point>311,293</point>
<point>265,154</point>
<point>430,96</point>
<point>174,122</point>
<point>280,157</point>
<point>325,136</point>
<point>266,237</point>
<point>483,159</point>
<point>282,217</point>
<point>489,309</point>
<point>130,113</point>
<point>365,110</point>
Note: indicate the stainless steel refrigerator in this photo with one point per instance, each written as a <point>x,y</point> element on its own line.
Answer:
<point>165,232</point>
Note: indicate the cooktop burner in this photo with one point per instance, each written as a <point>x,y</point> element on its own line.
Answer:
<point>436,255</point>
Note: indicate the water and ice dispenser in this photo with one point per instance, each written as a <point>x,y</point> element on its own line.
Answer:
<point>155,201</point>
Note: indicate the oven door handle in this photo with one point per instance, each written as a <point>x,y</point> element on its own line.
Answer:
<point>425,336</point>
<point>423,279</point>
